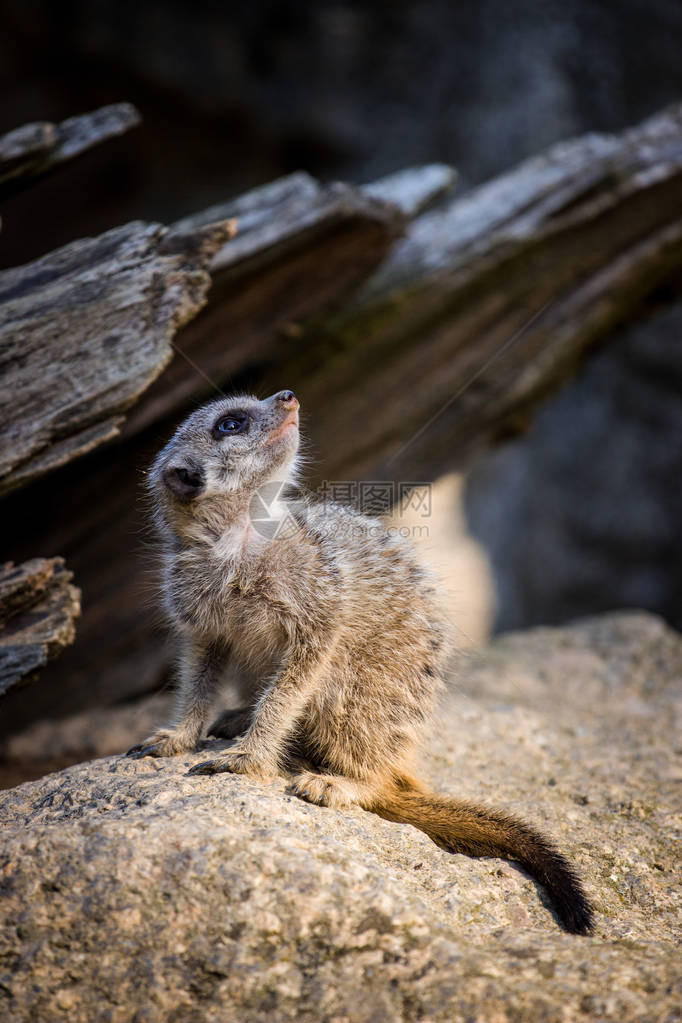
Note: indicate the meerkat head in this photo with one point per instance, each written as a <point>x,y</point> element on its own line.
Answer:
<point>225,451</point>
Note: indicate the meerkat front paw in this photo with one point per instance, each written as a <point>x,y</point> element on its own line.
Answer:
<point>235,761</point>
<point>164,743</point>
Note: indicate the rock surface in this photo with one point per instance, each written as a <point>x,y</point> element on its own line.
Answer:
<point>131,892</point>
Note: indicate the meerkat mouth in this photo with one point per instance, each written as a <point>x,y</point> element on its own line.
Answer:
<point>291,422</point>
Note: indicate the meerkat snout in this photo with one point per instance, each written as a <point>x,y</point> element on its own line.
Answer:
<point>288,401</point>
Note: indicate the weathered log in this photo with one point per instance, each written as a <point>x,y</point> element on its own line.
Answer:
<point>414,189</point>
<point>38,606</point>
<point>36,149</point>
<point>37,603</point>
<point>489,303</point>
<point>84,330</point>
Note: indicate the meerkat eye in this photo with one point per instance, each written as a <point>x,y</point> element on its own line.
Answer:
<point>234,422</point>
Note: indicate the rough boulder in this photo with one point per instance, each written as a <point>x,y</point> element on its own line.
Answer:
<point>130,892</point>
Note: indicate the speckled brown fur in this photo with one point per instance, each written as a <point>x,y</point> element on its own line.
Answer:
<point>334,629</point>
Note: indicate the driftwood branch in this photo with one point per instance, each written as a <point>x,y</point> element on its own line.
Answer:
<point>38,606</point>
<point>34,150</point>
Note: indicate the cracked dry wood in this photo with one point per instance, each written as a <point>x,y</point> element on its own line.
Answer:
<point>36,149</point>
<point>506,287</point>
<point>100,313</point>
<point>84,330</point>
<point>38,606</point>
<point>301,248</point>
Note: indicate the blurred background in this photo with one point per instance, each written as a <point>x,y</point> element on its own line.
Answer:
<point>233,95</point>
<point>583,513</point>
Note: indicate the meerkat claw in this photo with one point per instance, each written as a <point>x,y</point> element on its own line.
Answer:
<point>205,767</point>
<point>137,752</point>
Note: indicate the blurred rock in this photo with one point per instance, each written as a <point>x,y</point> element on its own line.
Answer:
<point>440,533</point>
<point>131,892</point>
<point>53,743</point>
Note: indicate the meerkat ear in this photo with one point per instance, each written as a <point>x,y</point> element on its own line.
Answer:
<point>186,482</point>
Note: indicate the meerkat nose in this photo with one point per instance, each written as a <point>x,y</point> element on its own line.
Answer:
<point>288,399</point>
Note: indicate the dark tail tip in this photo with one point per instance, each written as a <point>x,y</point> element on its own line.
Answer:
<point>577,915</point>
<point>565,890</point>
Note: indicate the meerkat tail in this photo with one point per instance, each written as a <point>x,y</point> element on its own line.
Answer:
<point>480,831</point>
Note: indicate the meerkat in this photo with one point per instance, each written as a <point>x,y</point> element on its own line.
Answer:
<point>335,633</point>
